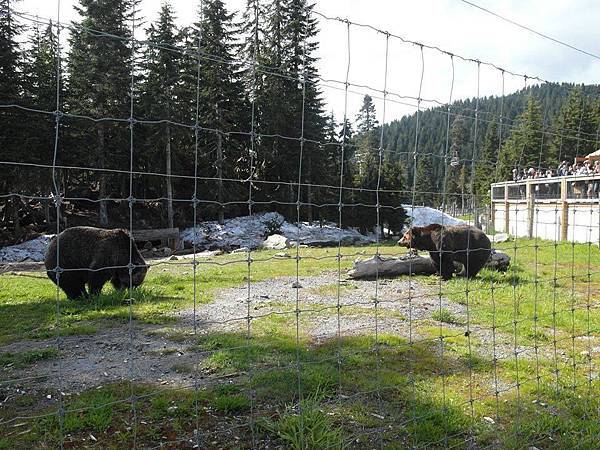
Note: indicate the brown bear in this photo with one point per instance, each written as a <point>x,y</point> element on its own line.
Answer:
<point>93,256</point>
<point>446,245</point>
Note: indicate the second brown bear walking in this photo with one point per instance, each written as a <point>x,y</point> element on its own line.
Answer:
<point>464,244</point>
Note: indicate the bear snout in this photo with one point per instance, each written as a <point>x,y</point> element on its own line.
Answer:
<point>404,242</point>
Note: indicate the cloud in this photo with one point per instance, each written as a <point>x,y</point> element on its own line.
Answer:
<point>449,24</point>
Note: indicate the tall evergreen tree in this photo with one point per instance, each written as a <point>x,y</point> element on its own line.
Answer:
<point>424,186</point>
<point>574,128</point>
<point>11,119</point>
<point>99,69</point>
<point>485,166</point>
<point>367,137</point>
<point>366,119</point>
<point>10,57</point>
<point>222,99</point>
<point>39,91</point>
<point>522,148</point>
<point>159,101</point>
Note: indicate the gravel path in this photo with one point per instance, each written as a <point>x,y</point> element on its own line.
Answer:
<point>91,360</point>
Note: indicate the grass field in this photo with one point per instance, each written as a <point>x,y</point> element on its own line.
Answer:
<point>519,370</point>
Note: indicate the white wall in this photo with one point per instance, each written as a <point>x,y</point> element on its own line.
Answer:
<point>583,221</point>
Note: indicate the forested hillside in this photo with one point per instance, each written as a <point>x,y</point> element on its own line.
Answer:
<point>558,121</point>
<point>226,117</point>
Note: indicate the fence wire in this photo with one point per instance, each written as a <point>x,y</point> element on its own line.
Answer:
<point>410,383</point>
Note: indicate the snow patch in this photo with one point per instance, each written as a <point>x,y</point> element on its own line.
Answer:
<point>421,216</point>
<point>33,250</point>
<point>251,231</point>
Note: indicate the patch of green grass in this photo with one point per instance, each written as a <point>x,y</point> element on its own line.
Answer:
<point>26,358</point>
<point>446,316</point>
<point>231,404</point>
<point>306,426</point>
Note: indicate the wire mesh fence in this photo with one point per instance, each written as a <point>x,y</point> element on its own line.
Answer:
<point>259,348</point>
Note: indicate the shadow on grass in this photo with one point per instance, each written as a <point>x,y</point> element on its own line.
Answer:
<point>266,390</point>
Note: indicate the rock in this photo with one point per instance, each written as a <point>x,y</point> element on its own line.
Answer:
<point>500,237</point>
<point>296,285</point>
<point>166,251</point>
<point>498,261</point>
<point>173,258</point>
<point>282,255</point>
<point>241,250</point>
<point>276,242</point>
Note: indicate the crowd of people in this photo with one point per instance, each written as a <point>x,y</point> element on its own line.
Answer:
<point>589,189</point>
<point>564,169</point>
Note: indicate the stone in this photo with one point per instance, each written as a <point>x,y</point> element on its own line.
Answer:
<point>282,255</point>
<point>500,237</point>
<point>241,250</point>
<point>276,242</point>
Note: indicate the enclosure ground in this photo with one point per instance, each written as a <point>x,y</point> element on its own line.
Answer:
<point>503,360</point>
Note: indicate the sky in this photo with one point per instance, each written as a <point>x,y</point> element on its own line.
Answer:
<point>450,25</point>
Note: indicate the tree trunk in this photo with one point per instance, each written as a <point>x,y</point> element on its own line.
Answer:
<point>412,264</point>
<point>169,181</point>
<point>16,202</point>
<point>309,196</point>
<point>103,207</point>
<point>220,197</point>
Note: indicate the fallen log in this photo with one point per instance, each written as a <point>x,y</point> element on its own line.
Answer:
<point>412,264</point>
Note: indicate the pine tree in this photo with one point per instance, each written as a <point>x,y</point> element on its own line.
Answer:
<point>162,76</point>
<point>222,99</point>
<point>575,129</point>
<point>424,185</point>
<point>99,69</point>
<point>367,117</point>
<point>10,57</point>
<point>366,140</point>
<point>485,166</point>
<point>11,119</point>
<point>39,91</point>
<point>522,148</point>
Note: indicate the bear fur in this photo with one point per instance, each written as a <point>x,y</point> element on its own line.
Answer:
<point>446,245</point>
<point>93,256</point>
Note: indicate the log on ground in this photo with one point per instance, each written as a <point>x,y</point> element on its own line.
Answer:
<point>412,264</point>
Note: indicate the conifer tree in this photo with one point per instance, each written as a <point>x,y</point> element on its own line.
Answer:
<point>574,128</point>
<point>39,91</point>
<point>10,57</point>
<point>159,100</point>
<point>424,185</point>
<point>485,166</point>
<point>222,99</point>
<point>366,139</point>
<point>522,148</point>
<point>99,69</point>
<point>12,129</point>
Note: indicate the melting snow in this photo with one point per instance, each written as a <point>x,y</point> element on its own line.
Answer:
<point>32,250</point>
<point>420,216</point>
<point>251,231</point>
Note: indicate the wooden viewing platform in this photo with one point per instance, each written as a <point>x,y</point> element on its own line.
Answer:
<point>557,208</point>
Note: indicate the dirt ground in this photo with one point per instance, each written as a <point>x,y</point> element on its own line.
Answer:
<point>147,353</point>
